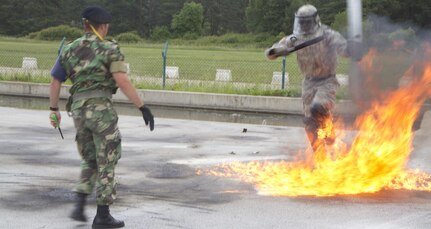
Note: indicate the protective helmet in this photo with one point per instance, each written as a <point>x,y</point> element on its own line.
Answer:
<point>307,21</point>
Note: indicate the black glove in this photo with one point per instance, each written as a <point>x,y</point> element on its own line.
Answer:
<point>148,116</point>
<point>273,53</point>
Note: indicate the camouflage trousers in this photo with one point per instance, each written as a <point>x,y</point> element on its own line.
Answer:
<point>99,144</point>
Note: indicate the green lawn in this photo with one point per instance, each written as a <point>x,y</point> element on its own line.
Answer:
<point>247,65</point>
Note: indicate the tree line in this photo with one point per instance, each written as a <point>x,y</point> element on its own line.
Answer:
<point>194,18</point>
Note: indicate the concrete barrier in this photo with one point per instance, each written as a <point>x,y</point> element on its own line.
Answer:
<point>265,104</point>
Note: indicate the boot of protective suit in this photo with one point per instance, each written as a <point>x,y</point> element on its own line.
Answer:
<point>330,137</point>
<point>104,219</point>
<point>321,120</point>
<point>327,126</point>
<point>317,144</point>
<point>311,127</point>
<point>78,211</point>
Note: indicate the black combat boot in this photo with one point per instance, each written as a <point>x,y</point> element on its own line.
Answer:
<point>78,211</point>
<point>104,220</point>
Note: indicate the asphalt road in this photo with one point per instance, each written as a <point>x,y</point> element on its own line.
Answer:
<point>158,187</point>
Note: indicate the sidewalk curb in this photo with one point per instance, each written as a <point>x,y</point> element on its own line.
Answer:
<point>263,104</point>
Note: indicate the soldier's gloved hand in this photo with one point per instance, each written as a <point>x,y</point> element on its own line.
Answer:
<point>273,53</point>
<point>148,116</point>
<point>270,54</point>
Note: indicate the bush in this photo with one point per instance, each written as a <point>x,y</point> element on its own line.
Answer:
<point>160,33</point>
<point>128,37</point>
<point>57,33</point>
<point>274,39</point>
<point>261,37</point>
<point>208,40</point>
<point>33,35</point>
<point>340,23</point>
<point>188,20</point>
<point>235,38</point>
<point>230,40</point>
<point>190,36</point>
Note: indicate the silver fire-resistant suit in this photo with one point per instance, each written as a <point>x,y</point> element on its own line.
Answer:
<point>318,63</point>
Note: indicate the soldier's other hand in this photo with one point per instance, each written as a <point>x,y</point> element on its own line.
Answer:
<point>148,116</point>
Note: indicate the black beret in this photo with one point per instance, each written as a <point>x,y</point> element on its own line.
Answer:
<point>97,14</point>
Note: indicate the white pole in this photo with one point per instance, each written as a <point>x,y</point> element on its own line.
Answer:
<point>354,17</point>
<point>356,81</point>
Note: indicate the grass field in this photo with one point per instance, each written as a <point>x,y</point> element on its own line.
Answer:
<point>248,66</point>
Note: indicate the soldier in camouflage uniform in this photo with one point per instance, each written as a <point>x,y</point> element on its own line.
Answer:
<point>96,67</point>
<point>318,63</point>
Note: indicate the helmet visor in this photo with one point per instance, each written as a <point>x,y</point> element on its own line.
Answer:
<point>304,25</point>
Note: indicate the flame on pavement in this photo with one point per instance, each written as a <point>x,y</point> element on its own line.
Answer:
<point>375,160</point>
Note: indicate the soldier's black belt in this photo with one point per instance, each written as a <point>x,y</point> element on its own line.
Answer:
<point>92,94</point>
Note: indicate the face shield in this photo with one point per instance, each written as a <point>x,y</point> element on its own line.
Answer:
<point>305,25</point>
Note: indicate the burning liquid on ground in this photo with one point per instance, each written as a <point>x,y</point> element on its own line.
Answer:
<point>374,160</point>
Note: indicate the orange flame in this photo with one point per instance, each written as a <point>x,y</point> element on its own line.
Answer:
<point>375,160</point>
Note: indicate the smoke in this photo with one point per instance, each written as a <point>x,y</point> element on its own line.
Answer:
<point>395,55</point>
<point>399,46</point>
<point>380,32</point>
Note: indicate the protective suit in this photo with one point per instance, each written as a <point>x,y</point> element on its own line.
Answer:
<point>318,63</point>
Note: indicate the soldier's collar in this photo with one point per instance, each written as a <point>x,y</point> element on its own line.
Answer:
<point>92,36</point>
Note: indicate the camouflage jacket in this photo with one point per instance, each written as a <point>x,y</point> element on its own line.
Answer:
<point>320,59</point>
<point>90,62</point>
